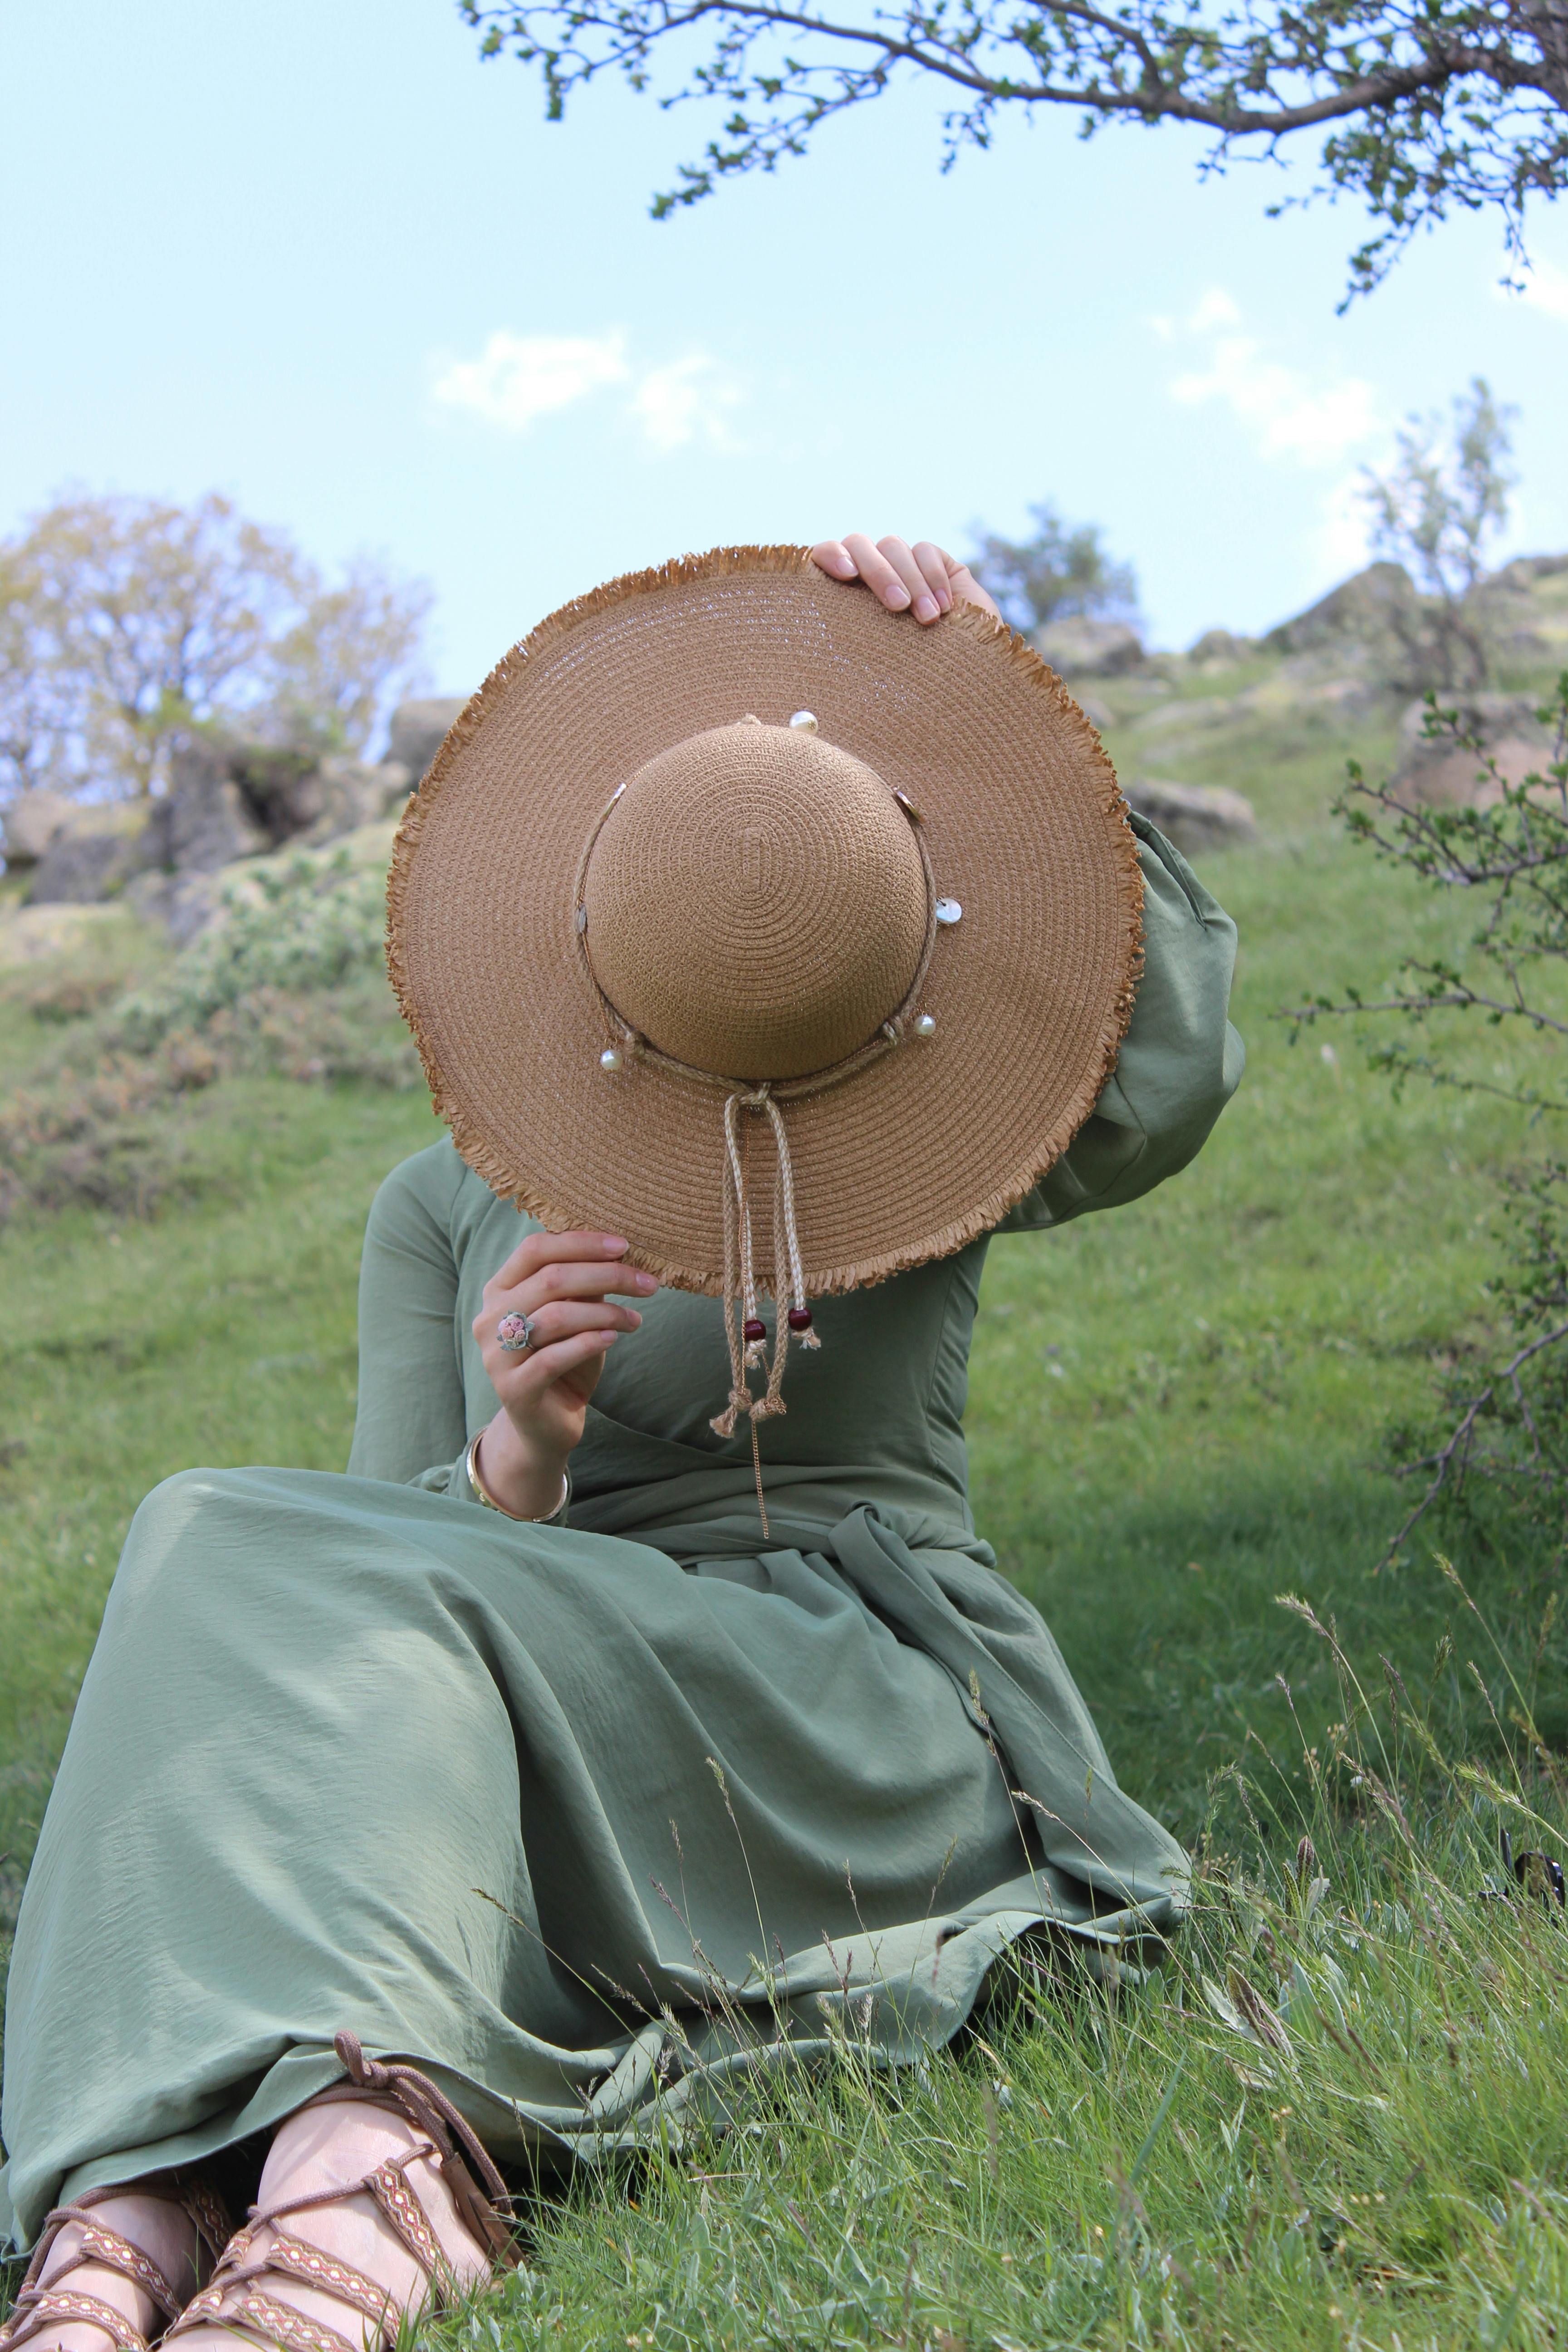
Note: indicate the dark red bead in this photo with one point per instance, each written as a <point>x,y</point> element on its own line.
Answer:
<point>755,1328</point>
<point>800,1319</point>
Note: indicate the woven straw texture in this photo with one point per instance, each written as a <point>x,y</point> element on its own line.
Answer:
<point>930,1143</point>
<point>756,904</point>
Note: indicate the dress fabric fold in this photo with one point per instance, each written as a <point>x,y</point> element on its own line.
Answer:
<point>586,1820</point>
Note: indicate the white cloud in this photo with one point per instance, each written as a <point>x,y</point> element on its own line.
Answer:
<point>520,377</point>
<point>1545,288</point>
<point>686,400</point>
<point>1287,414</point>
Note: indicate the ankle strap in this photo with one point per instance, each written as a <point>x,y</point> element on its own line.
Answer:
<point>426,2106</point>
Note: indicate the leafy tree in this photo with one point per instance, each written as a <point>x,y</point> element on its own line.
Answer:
<point>123,621</point>
<point>329,673</point>
<point>1506,1420</point>
<point>1060,571</point>
<point>36,745</point>
<point>1434,511</point>
<point>1424,105</point>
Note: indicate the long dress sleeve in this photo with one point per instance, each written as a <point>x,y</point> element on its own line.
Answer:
<point>1180,1060</point>
<point>410,1423</point>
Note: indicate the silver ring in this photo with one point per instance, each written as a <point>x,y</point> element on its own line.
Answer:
<point>515,1333</point>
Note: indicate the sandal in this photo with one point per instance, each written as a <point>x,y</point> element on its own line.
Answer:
<point>38,2307</point>
<point>236,2298</point>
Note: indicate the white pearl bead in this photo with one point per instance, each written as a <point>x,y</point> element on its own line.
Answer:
<point>947,910</point>
<point>805,720</point>
<point>925,1025</point>
<point>612,1059</point>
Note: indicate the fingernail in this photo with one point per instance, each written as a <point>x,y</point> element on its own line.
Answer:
<point>927,609</point>
<point>944,600</point>
<point>614,1241</point>
<point>898,596</point>
<point>645,1281</point>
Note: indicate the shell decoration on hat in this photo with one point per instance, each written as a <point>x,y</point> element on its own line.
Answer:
<point>740,916</point>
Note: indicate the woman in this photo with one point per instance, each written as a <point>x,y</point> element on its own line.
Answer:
<point>571,1822</point>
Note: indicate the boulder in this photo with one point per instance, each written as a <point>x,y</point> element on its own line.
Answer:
<point>1441,773</point>
<point>417,727</point>
<point>1196,817</point>
<point>93,852</point>
<point>1363,606</point>
<point>1221,648</point>
<point>206,819</point>
<point>1526,570</point>
<point>1079,647</point>
<point>31,821</point>
<point>353,794</point>
<point>183,904</point>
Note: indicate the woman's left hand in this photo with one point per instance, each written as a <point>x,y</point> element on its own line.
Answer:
<point>922,579</point>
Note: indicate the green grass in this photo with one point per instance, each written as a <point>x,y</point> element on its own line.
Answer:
<point>1178,1414</point>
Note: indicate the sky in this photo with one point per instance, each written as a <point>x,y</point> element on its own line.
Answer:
<point>317,257</point>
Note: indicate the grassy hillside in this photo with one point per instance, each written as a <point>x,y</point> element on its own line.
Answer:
<point>1178,1413</point>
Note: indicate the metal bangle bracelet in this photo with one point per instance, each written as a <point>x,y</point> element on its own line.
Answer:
<point>539,1519</point>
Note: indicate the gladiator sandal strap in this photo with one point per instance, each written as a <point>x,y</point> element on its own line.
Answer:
<point>38,2306</point>
<point>244,2294</point>
<point>428,2107</point>
<point>56,2306</point>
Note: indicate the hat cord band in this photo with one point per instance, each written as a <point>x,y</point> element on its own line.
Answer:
<point>889,1033</point>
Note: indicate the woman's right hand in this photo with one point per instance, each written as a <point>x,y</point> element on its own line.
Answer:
<point>562,1283</point>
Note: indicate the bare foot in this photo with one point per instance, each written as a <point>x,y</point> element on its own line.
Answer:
<point>160,2242</point>
<point>317,2164</point>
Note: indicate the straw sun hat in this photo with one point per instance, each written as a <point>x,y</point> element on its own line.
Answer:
<point>744,918</point>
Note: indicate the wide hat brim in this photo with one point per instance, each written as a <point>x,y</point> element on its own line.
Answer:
<point>933,1143</point>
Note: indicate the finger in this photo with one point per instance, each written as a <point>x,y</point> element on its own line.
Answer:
<point>933,564</point>
<point>541,1367</point>
<point>831,555</point>
<point>576,1282</point>
<point>539,1249</point>
<point>917,587</point>
<point>880,576</point>
<point>562,1319</point>
<point>965,586</point>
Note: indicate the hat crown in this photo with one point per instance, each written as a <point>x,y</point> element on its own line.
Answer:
<point>756,904</point>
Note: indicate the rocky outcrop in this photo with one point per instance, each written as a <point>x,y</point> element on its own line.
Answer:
<point>31,824</point>
<point>1440,772</point>
<point>1220,649</point>
<point>1084,648</point>
<point>417,729</point>
<point>1196,817</point>
<point>1365,608</point>
<point>91,854</point>
<point>231,796</point>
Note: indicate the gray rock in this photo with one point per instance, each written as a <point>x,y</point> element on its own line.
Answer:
<point>417,727</point>
<point>183,904</point>
<point>353,794</point>
<point>1526,570</point>
<point>205,819</point>
<point>1221,648</point>
<point>1196,817</point>
<point>31,821</point>
<point>1084,648</point>
<point>1363,606</point>
<point>93,852</point>
<point>1442,773</point>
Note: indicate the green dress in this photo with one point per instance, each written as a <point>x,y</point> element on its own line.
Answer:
<point>587,1819</point>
